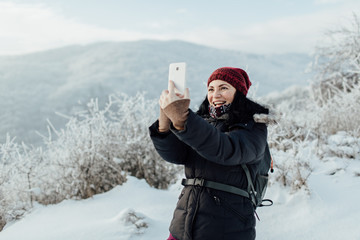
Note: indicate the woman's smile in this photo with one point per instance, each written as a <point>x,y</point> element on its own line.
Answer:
<point>218,103</point>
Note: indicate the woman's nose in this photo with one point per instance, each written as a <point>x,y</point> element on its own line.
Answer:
<point>217,93</point>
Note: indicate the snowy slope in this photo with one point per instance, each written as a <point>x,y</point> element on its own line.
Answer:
<point>102,217</point>
<point>329,212</point>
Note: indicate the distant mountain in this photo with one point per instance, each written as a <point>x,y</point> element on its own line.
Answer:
<point>35,86</point>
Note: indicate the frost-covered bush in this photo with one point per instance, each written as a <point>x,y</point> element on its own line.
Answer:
<point>291,152</point>
<point>289,139</point>
<point>15,184</point>
<point>335,88</point>
<point>339,113</point>
<point>322,131</point>
<point>292,166</point>
<point>330,129</point>
<point>294,107</point>
<point>138,156</point>
<point>92,154</point>
<point>322,120</point>
<point>82,157</point>
<point>99,147</point>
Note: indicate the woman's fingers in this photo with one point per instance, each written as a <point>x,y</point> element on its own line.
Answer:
<point>187,93</point>
<point>171,95</point>
<point>163,97</point>
<point>171,87</point>
<point>165,92</point>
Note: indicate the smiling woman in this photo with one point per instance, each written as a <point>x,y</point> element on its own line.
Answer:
<point>212,144</point>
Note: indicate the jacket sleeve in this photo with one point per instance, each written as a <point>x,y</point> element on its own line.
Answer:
<point>169,147</point>
<point>245,145</point>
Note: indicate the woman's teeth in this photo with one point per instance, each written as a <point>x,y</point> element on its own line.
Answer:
<point>218,103</point>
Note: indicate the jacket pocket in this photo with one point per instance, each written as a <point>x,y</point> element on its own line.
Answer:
<point>227,206</point>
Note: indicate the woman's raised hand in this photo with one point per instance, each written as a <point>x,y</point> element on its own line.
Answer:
<point>172,95</point>
<point>175,105</point>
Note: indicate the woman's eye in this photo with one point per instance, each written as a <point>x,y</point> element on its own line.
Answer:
<point>224,88</point>
<point>210,90</point>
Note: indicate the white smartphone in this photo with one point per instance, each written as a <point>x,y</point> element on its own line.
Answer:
<point>177,73</point>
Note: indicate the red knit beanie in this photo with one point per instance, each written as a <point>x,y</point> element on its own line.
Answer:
<point>237,77</point>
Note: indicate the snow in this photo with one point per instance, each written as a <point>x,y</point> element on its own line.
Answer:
<point>329,212</point>
<point>102,217</point>
<point>137,211</point>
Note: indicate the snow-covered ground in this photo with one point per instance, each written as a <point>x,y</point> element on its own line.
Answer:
<point>112,215</point>
<point>331,211</point>
<point>136,211</point>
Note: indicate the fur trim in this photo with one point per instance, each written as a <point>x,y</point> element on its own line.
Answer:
<point>272,118</point>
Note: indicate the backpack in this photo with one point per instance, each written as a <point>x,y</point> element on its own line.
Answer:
<point>258,188</point>
<point>255,191</point>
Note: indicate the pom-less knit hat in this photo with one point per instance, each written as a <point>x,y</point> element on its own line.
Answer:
<point>237,77</point>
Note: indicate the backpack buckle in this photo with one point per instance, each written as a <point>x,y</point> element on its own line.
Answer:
<point>199,182</point>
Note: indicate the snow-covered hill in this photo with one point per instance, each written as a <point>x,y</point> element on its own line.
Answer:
<point>35,86</point>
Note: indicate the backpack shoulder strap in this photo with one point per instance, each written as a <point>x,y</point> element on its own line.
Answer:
<point>250,188</point>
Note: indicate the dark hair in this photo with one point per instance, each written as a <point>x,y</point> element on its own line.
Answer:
<point>241,110</point>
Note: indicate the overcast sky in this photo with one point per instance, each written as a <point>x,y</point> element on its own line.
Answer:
<point>261,26</point>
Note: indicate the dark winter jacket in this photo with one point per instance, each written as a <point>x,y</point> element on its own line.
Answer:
<point>212,151</point>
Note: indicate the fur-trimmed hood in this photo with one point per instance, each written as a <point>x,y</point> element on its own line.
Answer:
<point>273,117</point>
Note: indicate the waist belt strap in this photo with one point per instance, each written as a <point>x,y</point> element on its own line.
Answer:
<point>214,185</point>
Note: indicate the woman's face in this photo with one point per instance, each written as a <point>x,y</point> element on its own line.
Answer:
<point>220,93</point>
